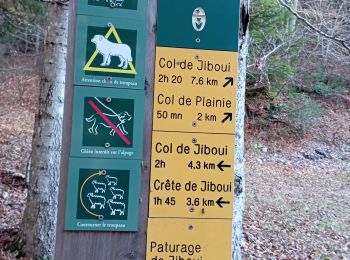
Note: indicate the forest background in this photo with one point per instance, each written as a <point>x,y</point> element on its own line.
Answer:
<point>297,126</point>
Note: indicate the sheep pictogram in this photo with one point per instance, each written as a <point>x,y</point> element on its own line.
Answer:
<point>116,206</point>
<point>111,180</point>
<point>99,186</point>
<point>96,200</point>
<point>117,193</point>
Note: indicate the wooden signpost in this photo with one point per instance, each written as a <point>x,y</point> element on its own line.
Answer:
<point>149,134</point>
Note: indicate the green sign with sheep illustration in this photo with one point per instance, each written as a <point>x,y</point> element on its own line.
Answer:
<point>110,52</point>
<point>102,195</point>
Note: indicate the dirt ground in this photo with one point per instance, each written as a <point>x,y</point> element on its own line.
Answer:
<point>298,190</point>
<point>297,186</point>
<point>18,96</point>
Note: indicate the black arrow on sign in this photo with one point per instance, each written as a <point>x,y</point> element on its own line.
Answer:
<point>220,201</point>
<point>229,81</point>
<point>221,166</point>
<point>227,116</point>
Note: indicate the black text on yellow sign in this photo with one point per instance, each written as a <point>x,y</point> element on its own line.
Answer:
<point>192,175</point>
<point>189,239</point>
<point>195,90</point>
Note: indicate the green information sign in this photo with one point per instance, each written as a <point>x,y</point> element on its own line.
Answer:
<point>107,123</point>
<point>132,9</point>
<point>110,52</point>
<point>198,24</point>
<point>102,195</point>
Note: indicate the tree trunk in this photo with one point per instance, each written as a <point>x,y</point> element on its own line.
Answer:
<point>293,21</point>
<point>38,230</point>
<point>237,227</point>
<point>37,47</point>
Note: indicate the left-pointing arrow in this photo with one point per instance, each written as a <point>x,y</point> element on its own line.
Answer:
<point>220,201</point>
<point>221,165</point>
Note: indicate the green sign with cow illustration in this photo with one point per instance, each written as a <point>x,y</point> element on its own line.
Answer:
<point>132,9</point>
<point>110,52</point>
<point>102,194</point>
<point>107,123</point>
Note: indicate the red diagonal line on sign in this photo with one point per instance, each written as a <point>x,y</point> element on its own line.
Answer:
<point>109,122</point>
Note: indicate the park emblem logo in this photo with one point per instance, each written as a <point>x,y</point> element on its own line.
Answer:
<point>110,52</point>
<point>108,122</point>
<point>198,19</point>
<point>121,4</point>
<point>103,194</point>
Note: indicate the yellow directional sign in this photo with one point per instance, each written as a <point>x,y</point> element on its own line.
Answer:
<point>192,160</point>
<point>195,90</point>
<point>189,239</point>
<point>192,175</point>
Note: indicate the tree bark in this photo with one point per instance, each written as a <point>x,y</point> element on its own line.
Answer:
<point>294,19</point>
<point>38,230</point>
<point>239,195</point>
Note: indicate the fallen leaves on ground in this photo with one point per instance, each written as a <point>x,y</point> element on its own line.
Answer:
<point>298,193</point>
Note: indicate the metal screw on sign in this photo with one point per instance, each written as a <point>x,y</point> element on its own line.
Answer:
<point>100,217</point>
<point>198,40</point>
<point>194,123</point>
<point>194,140</point>
<point>103,172</point>
<point>109,78</point>
<point>191,209</point>
<point>190,227</point>
<point>107,145</point>
<point>196,57</point>
<point>108,100</point>
<point>109,24</point>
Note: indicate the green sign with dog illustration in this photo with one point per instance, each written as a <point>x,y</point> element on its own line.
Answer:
<point>102,195</point>
<point>107,123</point>
<point>110,52</point>
<point>132,9</point>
